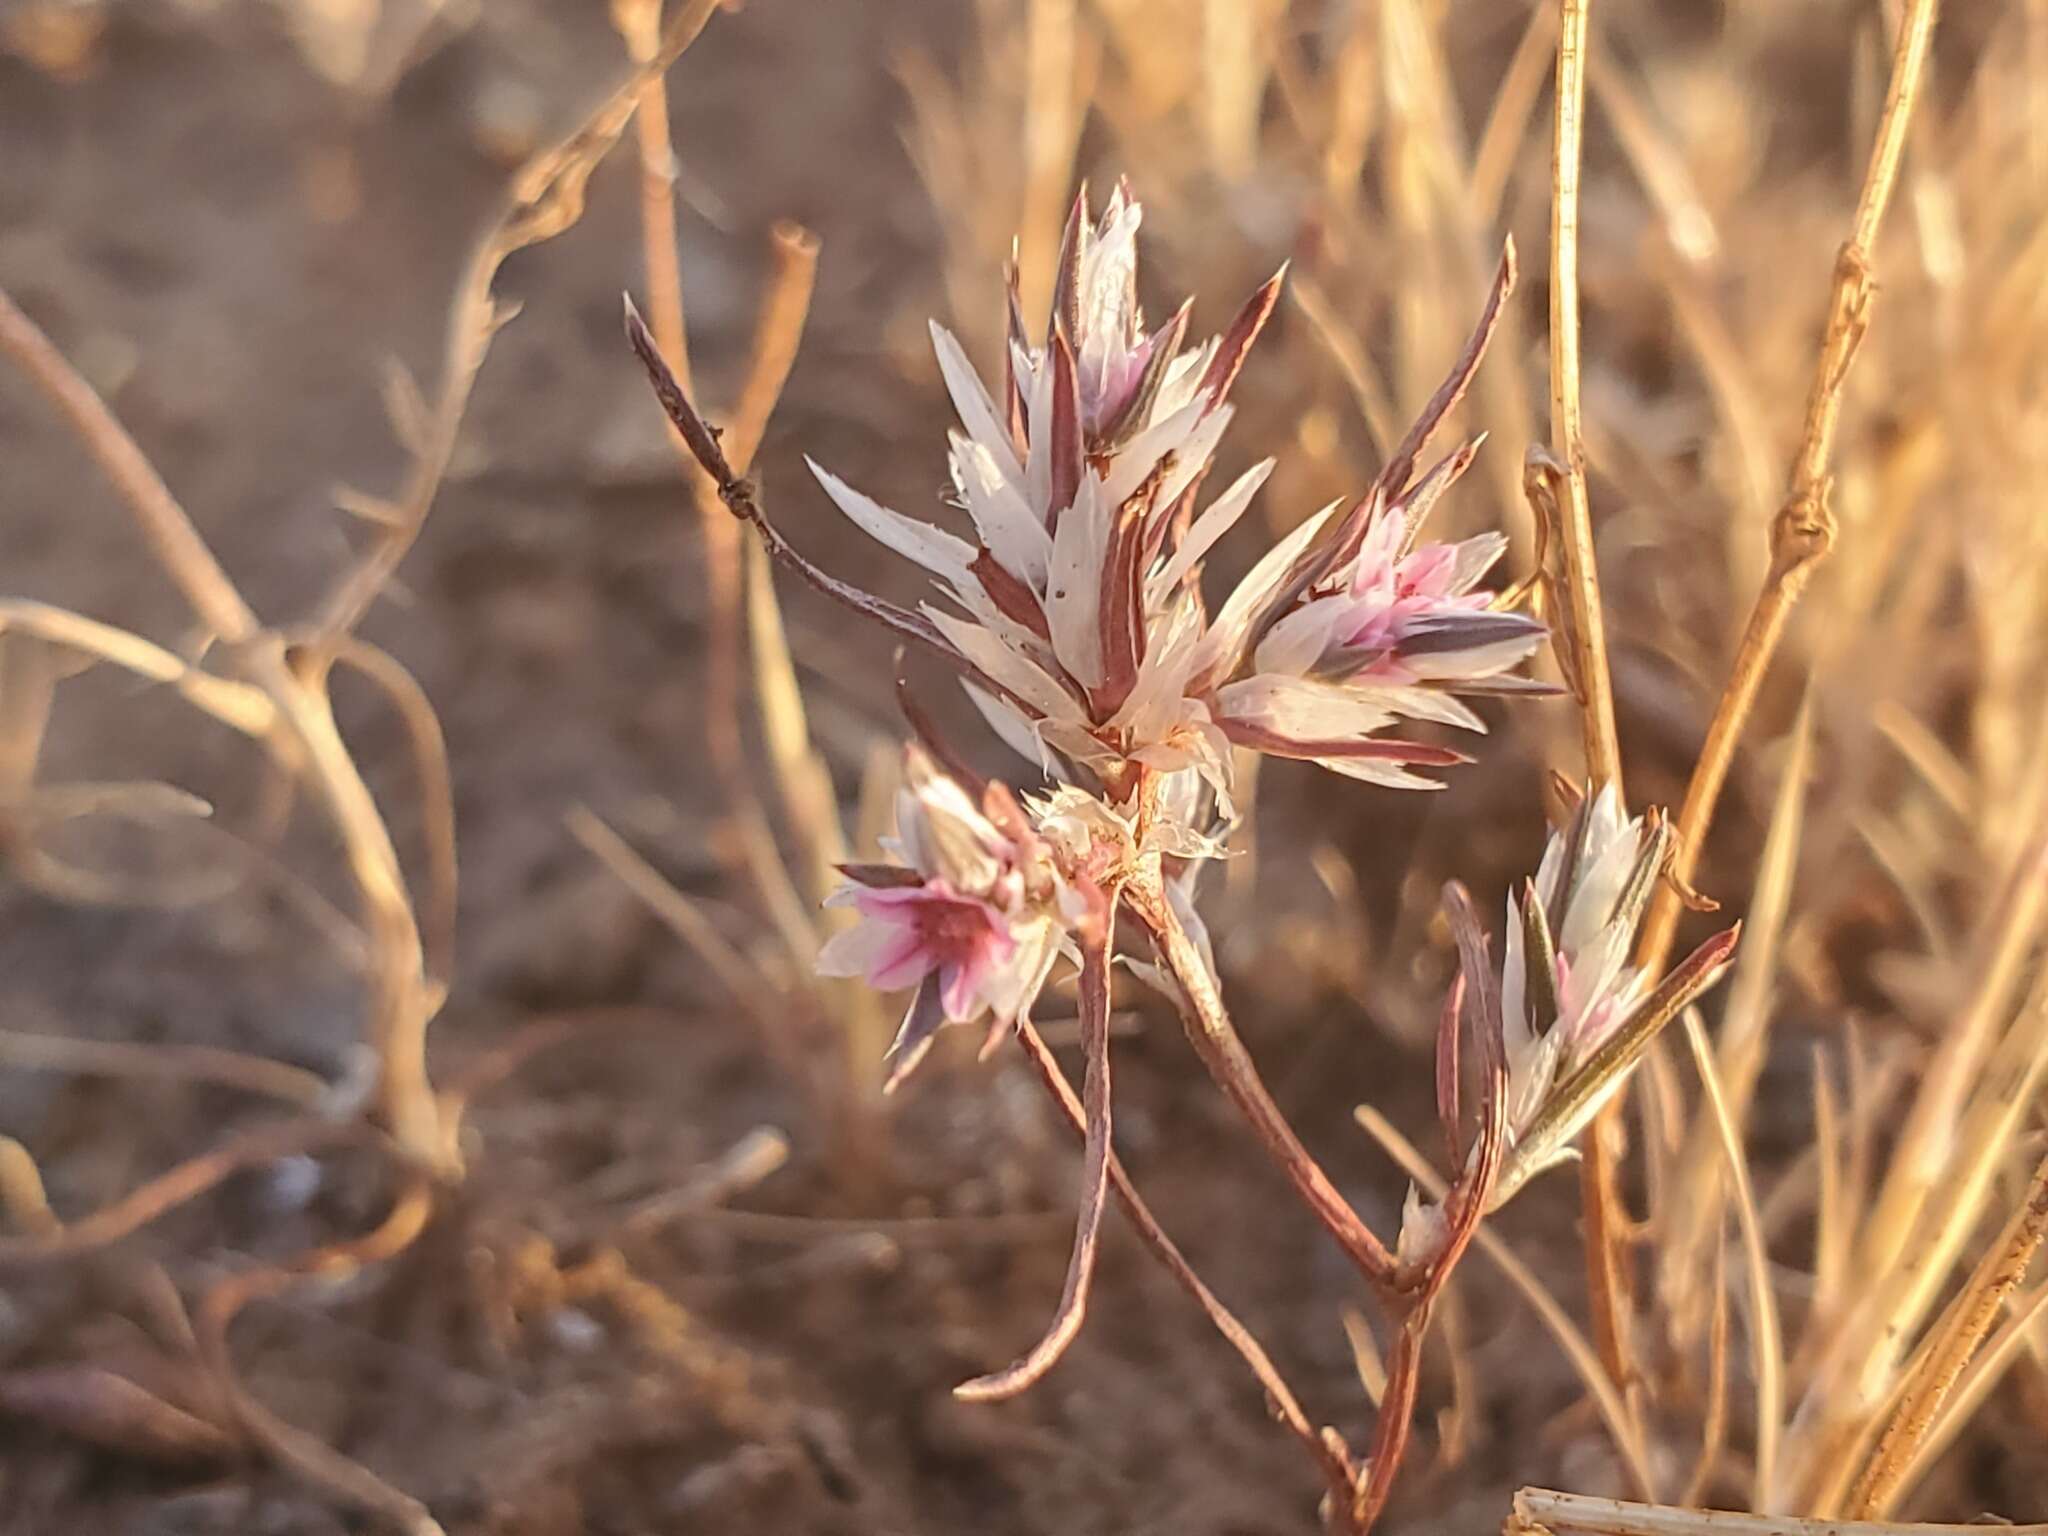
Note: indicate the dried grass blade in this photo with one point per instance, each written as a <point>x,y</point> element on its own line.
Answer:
<point>1883,1479</point>
<point>1766,1346</point>
<point>1574,1514</point>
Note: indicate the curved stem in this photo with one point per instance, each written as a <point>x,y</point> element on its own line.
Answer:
<point>1327,1450</point>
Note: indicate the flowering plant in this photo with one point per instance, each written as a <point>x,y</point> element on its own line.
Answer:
<point>1076,619</point>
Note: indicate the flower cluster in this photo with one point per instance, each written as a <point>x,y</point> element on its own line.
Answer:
<point>1572,1015</point>
<point>1075,617</point>
<point>972,916</point>
<point>1076,611</point>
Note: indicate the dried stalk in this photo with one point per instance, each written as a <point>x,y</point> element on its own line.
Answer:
<point>163,1063</point>
<point>1697,1202</point>
<point>1542,1512</point>
<point>1586,624</point>
<point>1946,1356</point>
<point>1803,532</point>
<point>639,23</point>
<point>152,1201</point>
<point>1580,616</point>
<point>236,704</point>
<point>1767,1350</point>
<point>544,199</point>
<point>310,1459</point>
<point>1884,1477</point>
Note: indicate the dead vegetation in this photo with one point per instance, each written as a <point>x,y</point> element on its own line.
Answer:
<point>1785,526</point>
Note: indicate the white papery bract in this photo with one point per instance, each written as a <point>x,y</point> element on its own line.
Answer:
<point>1592,888</point>
<point>1075,610</point>
<point>1567,989</point>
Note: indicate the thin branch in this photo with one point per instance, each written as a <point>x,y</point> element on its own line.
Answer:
<point>436,789</point>
<point>1567,430</point>
<point>1767,1350</point>
<point>1327,1451</point>
<point>2002,1269</point>
<point>544,199</point>
<point>639,23</point>
<point>292,1448</point>
<point>163,1063</point>
<point>1803,532</point>
<point>1581,617</point>
<point>1217,1043</point>
<point>1096,1121</point>
<point>401,1002</point>
<point>239,705</point>
<point>160,1196</point>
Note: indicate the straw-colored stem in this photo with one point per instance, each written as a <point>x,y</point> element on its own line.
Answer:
<point>1766,1350</point>
<point>639,23</point>
<point>307,1456</point>
<point>1920,1162</point>
<point>167,1191</point>
<point>1584,630</point>
<point>247,709</point>
<point>1696,1206</point>
<point>1803,532</point>
<point>2001,1271</point>
<point>1567,427</point>
<point>1572,1514</point>
<point>1860,1369</point>
<point>401,999</point>
<point>177,1063</point>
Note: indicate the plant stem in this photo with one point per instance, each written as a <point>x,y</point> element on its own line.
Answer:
<point>1567,431</point>
<point>1327,1452</point>
<point>1969,1320</point>
<point>1803,532</point>
<point>1585,632</point>
<point>1217,1043</point>
<point>1573,1514</point>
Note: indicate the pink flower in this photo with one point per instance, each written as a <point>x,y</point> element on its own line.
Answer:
<point>1396,632</point>
<point>1075,609</point>
<point>973,916</point>
<point>913,931</point>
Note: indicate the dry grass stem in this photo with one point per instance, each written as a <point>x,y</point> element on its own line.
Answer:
<point>1543,1512</point>
<point>1934,1378</point>
<point>1803,532</point>
<point>1766,1347</point>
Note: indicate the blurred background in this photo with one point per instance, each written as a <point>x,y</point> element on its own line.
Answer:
<point>698,1276</point>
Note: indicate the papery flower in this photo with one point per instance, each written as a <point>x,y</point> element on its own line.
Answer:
<point>1338,634</point>
<point>1574,1016</point>
<point>973,916</point>
<point>1075,614</point>
<point>1591,890</point>
<point>1076,607</point>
